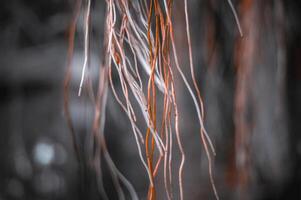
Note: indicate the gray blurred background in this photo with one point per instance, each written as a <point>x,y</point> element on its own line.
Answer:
<point>251,88</point>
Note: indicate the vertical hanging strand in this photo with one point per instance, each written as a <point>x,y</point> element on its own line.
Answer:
<point>86,43</point>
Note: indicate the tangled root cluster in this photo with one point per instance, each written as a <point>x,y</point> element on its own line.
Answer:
<point>139,38</point>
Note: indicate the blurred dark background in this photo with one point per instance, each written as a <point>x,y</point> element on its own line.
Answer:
<point>251,88</point>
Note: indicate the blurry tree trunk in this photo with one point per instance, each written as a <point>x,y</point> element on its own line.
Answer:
<point>260,116</point>
<point>254,82</point>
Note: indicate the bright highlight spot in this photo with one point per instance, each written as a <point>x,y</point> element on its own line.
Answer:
<point>44,153</point>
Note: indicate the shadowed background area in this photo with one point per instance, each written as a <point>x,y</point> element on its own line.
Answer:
<point>251,87</point>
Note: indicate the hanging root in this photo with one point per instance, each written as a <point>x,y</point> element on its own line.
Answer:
<point>236,18</point>
<point>139,38</point>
